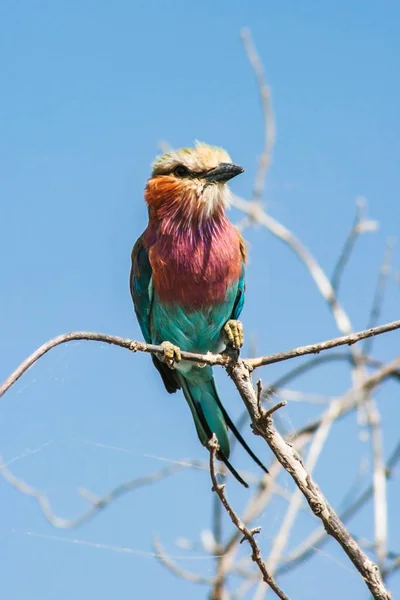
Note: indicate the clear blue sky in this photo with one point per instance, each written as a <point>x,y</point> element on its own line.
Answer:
<point>88,90</point>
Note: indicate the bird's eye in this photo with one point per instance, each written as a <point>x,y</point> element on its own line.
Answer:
<point>181,171</point>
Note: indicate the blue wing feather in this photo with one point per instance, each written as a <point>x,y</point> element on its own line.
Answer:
<point>142,295</point>
<point>141,287</point>
<point>239,301</point>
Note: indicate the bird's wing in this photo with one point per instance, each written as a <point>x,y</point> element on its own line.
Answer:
<point>141,287</point>
<point>142,295</point>
<point>239,300</point>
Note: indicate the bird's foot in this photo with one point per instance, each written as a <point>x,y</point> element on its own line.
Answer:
<point>233,334</point>
<point>172,354</point>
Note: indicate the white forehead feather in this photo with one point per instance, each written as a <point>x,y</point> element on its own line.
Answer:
<point>200,158</point>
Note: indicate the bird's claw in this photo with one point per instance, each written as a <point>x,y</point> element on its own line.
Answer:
<point>233,333</point>
<point>172,354</point>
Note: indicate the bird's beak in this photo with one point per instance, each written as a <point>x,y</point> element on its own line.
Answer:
<point>223,173</point>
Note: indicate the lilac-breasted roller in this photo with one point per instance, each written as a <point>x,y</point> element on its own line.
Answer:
<point>187,280</point>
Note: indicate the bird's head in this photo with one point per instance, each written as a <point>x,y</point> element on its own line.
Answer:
<point>190,184</point>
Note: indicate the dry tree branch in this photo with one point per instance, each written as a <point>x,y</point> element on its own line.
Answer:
<point>326,422</point>
<point>133,346</point>
<point>281,232</point>
<point>360,225</point>
<point>247,533</point>
<point>268,114</point>
<point>379,294</point>
<point>218,591</point>
<point>217,521</point>
<point>395,566</point>
<point>374,420</point>
<point>97,503</point>
<point>318,537</point>
<point>292,463</point>
<point>379,484</point>
<point>337,409</point>
<point>291,395</point>
<point>315,270</point>
<point>167,562</point>
<point>345,340</point>
<point>257,504</point>
<point>350,399</point>
<point>272,388</point>
<point>317,273</point>
<point>334,411</point>
<point>209,359</point>
<point>314,362</point>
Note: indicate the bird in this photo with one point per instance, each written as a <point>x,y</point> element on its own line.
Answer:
<point>187,281</point>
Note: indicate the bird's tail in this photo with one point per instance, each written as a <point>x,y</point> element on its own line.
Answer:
<point>211,417</point>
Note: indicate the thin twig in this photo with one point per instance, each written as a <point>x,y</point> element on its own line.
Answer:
<point>268,114</point>
<point>256,505</point>
<point>98,504</point>
<point>360,226</point>
<point>167,562</point>
<point>395,566</point>
<point>245,531</point>
<point>218,590</point>
<point>315,362</point>
<point>379,294</point>
<point>349,400</point>
<point>346,340</point>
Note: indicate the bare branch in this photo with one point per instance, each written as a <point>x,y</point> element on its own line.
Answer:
<point>268,114</point>
<point>256,505</point>
<point>218,591</point>
<point>167,562</point>
<point>379,485</point>
<point>320,279</point>
<point>350,400</point>
<point>395,566</point>
<point>293,464</point>
<point>247,533</point>
<point>133,346</point>
<point>346,340</point>
<point>360,226</point>
<point>315,362</point>
<point>280,541</point>
<point>377,302</point>
<point>208,359</point>
<point>98,504</point>
<point>318,537</point>
<point>311,364</point>
<point>374,421</point>
<point>289,395</point>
